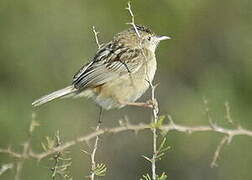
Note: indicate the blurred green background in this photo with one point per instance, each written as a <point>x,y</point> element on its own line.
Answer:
<point>43,43</point>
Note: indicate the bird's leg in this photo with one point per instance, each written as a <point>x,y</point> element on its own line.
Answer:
<point>100,116</point>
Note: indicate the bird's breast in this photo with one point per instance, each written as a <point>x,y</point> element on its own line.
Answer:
<point>127,88</point>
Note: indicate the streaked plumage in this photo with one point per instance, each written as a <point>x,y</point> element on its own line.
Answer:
<point>118,73</point>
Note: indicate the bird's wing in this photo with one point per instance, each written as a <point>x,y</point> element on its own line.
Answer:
<point>110,62</point>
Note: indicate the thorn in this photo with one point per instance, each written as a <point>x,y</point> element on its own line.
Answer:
<point>171,120</point>
<point>148,159</point>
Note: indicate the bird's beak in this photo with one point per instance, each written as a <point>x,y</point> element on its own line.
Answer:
<point>161,38</point>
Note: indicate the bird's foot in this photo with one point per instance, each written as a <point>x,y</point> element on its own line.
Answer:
<point>152,103</point>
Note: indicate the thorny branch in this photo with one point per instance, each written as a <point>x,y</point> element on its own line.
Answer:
<point>154,102</point>
<point>132,19</point>
<point>154,130</point>
<point>61,162</point>
<point>92,155</point>
<point>92,176</point>
<point>96,37</point>
<point>223,141</point>
<point>56,157</point>
<point>26,147</point>
<point>227,138</point>
<point>228,114</point>
<point>230,133</point>
<point>5,168</point>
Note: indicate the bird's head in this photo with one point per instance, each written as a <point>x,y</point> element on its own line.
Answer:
<point>140,36</point>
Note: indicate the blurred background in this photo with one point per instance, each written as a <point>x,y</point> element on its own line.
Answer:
<point>43,43</point>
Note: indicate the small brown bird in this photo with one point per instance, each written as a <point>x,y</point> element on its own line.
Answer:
<point>118,74</point>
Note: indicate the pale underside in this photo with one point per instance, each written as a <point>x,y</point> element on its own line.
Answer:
<point>125,88</point>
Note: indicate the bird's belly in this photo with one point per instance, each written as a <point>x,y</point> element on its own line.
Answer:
<point>127,88</point>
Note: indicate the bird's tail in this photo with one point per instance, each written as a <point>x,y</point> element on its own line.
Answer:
<point>55,95</point>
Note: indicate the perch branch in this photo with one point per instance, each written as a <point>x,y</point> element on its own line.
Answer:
<point>154,102</point>
<point>136,128</point>
<point>92,155</point>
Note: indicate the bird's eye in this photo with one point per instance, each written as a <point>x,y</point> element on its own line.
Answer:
<point>149,38</point>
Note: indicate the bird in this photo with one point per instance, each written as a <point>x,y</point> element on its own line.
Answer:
<point>119,73</point>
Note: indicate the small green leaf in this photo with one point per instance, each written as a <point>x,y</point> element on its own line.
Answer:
<point>50,142</point>
<point>146,177</point>
<point>162,149</point>
<point>162,177</point>
<point>100,169</point>
<point>44,146</point>
<point>159,122</point>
